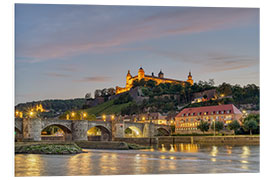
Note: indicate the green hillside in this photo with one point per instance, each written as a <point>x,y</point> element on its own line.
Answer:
<point>107,108</point>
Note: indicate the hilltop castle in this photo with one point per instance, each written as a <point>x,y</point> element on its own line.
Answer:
<point>141,75</point>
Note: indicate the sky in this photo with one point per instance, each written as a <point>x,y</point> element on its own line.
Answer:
<point>66,51</point>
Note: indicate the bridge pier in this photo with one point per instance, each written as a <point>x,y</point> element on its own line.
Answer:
<point>79,130</point>
<point>32,129</point>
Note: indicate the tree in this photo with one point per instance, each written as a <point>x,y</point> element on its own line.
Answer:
<point>203,126</point>
<point>234,126</point>
<point>97,93</point>
<point>225,89</point>
<point>111,91</point>
<point>219,125</point>
<point>250,125</point>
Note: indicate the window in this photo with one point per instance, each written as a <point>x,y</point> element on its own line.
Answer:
<point>217,112</point>
<point>222,112</point>
<point>183,115</point>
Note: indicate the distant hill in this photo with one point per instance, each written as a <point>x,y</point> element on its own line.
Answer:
<point>53,106</point>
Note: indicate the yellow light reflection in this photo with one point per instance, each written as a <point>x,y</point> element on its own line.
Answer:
<point>214,151</point>
<point>163,148</point>
<point>188,148</point>
<point>229,149</point>
<point>172,148</point>
<point>246,152</point>
<point>162,157</point>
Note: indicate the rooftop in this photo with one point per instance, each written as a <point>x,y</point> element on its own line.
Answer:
<point>209,110</point>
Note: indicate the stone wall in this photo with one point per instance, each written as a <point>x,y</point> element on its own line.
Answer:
<point>141,141</point>
<point>215,140</point>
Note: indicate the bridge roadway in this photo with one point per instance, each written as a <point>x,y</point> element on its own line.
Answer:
<point>31,128</point>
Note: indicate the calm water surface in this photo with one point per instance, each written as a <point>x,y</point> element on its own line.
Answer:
<point>165,159</point>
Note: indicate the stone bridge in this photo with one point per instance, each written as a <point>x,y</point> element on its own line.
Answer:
<point>76,130</point>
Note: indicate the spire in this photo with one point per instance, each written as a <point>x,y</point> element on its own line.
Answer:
<point>161,74</point>
<point>128,74</point>
<point>189,74</point>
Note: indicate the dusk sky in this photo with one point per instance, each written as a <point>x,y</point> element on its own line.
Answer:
<point>66,51</point>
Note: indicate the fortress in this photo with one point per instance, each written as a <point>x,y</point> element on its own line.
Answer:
<point>141,75</point>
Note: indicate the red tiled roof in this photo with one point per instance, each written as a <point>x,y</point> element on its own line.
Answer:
<point>210,109</point>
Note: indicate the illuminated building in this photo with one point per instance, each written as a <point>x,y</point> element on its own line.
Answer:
<point>189,118</point>
<point>141,75</point>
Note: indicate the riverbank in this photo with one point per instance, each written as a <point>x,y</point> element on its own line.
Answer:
<point>54,147</point>
<point>211,140</point>
<point>204,140</point>
<point>47,148</point>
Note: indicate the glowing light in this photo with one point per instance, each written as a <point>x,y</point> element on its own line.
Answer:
<point>214,151</point>
<point>143,118</point>
<point>112,117</point>
<point>73,114</point>
<point>163,148</point>
<point>31,113</point>
<point>172,148</point>
<point>104,117</point>
<point>84,114</point>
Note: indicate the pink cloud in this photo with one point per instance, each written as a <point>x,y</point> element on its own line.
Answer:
<point>160,25</point>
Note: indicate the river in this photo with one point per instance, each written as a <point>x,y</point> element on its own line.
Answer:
<point>164,159</point>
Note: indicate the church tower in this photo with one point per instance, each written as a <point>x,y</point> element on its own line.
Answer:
<point>140,74</point>
<point>190,80</point>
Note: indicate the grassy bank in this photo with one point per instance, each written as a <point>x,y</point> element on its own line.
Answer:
<point>107,108</point>
<point>47,148</point>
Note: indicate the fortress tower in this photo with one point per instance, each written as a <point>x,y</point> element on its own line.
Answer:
<point>140,74</point>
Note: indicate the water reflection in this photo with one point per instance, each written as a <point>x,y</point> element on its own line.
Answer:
<point>187,148</point>
<point>28,165</point>
<point>166,159</point>
<point>246,152</point>
<point>245,155</point>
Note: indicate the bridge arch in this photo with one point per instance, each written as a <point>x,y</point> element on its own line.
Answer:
<point>161,131</point>
<point>66,136</point>
<point>133,131</point>
<point>99,133</point>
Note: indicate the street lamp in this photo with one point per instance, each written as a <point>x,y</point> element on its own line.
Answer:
<point>17,113</point>
<point>104,117</point>
<point>112,117</point>
<point>31,114</point>
<point>73,114</point>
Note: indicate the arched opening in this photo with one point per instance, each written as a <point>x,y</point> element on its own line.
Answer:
<point>162,132</point>
<point>133,132</point>
<point>18,135</point>
<point>56,132</point>
<point>99,133</point>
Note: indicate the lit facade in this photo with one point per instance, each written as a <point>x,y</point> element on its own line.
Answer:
<point>189,118</point>
<point>141,75</point>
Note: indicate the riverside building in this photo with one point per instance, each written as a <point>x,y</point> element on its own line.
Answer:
<point>189,118</point>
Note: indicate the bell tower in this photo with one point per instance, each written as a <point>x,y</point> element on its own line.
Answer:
<point>190,80</point>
